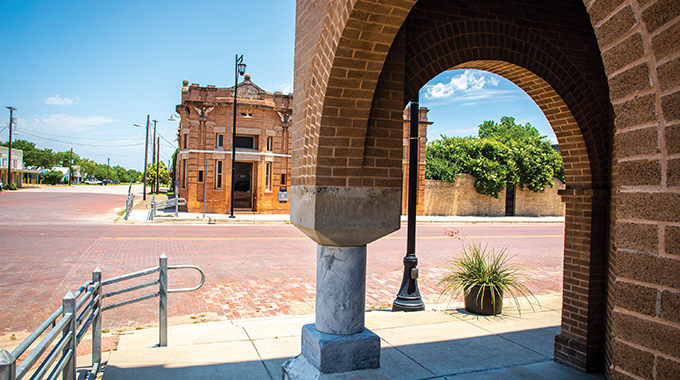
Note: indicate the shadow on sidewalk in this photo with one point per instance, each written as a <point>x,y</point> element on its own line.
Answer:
<point>523,354</point>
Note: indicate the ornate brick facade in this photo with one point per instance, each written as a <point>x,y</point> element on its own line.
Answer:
<point>262,149</point>
<point>263,118</point>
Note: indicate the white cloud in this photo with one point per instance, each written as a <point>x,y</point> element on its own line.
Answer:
<point>59,101</point>
<point>464,84</point>
<point>68,123</point>
<point>284,88</point>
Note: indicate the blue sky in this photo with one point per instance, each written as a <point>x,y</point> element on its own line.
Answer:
<point>81,73</point>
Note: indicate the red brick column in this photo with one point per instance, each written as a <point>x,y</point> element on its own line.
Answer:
<point>581,340</point>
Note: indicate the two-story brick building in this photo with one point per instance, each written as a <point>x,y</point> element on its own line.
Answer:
<point>263,151</point>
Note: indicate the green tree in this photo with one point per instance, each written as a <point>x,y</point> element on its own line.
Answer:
<point>501,155</point>
<point>163,174</point>
<point>52,178</point>
<point>33,157</point>
<point>64,158</point>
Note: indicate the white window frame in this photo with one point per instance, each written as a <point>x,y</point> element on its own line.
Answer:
<point>268,176</point>
<point>186,173</point>
<point>219,141</point>
<point>218,174</point>
<point>270,143</point>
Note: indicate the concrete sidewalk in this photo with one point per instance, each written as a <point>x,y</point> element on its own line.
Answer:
<point>141,214</point>
<point>450,344</point>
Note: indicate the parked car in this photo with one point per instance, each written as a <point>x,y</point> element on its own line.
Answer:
<point>93,181</point>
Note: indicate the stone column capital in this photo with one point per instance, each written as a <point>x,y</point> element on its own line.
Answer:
<point>345,217</point>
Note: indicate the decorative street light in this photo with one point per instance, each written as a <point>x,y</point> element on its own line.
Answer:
<point>146,153</point>
<point>240,69</point>
<point>409,298</point>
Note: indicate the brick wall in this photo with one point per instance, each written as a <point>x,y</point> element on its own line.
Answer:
<point>641,53</point>
<point>461,198</point>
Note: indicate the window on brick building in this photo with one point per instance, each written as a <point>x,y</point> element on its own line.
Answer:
<point>186,171</point>
<point>268,177</point>
<point>219,139</point>
<point>283,179</point>
<point>270,143</point>
<point>246,142</point>
<point>218,174</point>
<point>186,141</point>
<point>200,176</point>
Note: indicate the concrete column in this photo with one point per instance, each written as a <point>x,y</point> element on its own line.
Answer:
<point>342,221</point>
<point>340,289</point>
<point>338,342</point>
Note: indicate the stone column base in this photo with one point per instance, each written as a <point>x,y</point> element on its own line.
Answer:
<point>299,368</point>
<point>327,356</point>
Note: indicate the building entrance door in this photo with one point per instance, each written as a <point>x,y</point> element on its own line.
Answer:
<point>243,186</point>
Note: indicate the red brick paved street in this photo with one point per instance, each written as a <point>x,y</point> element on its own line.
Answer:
<point>50,242</point>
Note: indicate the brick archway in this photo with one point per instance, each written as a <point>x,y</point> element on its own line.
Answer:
<point>605,75</point>
<point>576,104</point>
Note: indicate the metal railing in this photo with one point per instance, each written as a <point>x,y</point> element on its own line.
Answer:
<point>128,205</point>
<point>78,313</point>
<point>154,206</point>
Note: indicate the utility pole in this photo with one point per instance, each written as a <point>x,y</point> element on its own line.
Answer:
<point>9,162</point>
<point>70,166</point>
<point>146,155</point>
<point>153,156</point>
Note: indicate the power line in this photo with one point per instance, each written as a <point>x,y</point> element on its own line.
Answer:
<point>171,143</point>
<point>80,138</point>
<point>81,144</point>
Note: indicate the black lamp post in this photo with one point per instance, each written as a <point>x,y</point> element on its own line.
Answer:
<point>408,298</point>
<point>240,69</point>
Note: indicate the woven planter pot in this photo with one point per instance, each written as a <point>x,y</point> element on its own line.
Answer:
<point>481,303</point>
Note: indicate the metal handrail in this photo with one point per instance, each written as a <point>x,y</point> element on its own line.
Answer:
<point>42,346</point>
<point>74,323</point>
<point>154,206</point>
<point>129,203</point>
<point>130,276</point>
<point>183,290</point>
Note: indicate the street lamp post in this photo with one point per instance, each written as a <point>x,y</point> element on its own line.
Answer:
<point>240,69</point>
<point>146,154</point>
<point>409,298</point>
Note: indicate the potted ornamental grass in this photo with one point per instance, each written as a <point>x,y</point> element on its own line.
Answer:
<point>484,277</point>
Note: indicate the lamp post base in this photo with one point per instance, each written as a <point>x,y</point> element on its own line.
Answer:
<point>409,298</point>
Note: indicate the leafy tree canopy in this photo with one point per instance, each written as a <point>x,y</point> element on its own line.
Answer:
<point>500,155</point>
<point>52,178</point>
<point>163,174</point>
<point>46,159</point>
